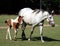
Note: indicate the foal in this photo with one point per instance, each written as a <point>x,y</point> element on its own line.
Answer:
<point>13,23</point>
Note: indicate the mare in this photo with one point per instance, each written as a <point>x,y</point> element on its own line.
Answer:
<point>34,18</point>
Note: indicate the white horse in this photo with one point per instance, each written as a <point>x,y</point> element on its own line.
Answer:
<point>13,23</point>
<point>35,17</point>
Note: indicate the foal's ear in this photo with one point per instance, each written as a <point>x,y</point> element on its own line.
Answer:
<point>20,16</point>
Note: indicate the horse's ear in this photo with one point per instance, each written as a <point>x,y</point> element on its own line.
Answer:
<point>52,11</point>
<point>20,16</point>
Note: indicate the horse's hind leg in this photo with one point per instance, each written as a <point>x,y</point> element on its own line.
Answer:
<point>32,29</point>
<point>8,33</point>
<point>23,28</point>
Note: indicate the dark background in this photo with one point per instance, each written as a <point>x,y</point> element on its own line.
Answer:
<point>13,6</point>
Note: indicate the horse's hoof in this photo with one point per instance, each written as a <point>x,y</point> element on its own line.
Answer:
<point>10,39</point>
<point>43,41</point>
<point>29,39</point>
<point>15,39</point>
<point>6,38</point>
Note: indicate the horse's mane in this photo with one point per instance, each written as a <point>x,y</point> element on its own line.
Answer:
<point>36,10</point>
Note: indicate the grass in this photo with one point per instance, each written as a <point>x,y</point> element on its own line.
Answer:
<point>51,34</point>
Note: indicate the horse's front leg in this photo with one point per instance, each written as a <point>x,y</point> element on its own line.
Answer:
<point>23,29</point>
<point>8,33</point>
<point>41,32</point>
<point>15,34</point>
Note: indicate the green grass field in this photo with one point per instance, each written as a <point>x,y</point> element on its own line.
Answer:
<point>51,34</point>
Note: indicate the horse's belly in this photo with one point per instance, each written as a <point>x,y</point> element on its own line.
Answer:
<point>27,19</point>
<point>30,20</point>
<point>28,16</point>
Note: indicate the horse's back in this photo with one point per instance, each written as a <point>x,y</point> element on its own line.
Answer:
<point>25,11</point>
<point>30,16</point>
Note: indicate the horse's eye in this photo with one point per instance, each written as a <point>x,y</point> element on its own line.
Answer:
<point>50,17</point>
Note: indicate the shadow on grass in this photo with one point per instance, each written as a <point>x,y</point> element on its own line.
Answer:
<point>45,39</point>
<point>39,38</point>
<point>22,39</point>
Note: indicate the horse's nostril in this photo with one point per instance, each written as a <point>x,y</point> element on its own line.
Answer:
<point>53,25</point>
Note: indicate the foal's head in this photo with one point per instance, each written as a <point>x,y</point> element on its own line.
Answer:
<point>20,18</point>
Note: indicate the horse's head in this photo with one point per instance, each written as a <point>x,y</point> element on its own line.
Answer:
<point>20,19</point>
<point>50,19</point>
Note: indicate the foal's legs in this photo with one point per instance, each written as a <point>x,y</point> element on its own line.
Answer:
<point>15,33</point>
<point>8,33</point>
<point>23,28</point>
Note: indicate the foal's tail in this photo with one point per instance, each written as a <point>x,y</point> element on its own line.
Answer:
<point>5,21</point>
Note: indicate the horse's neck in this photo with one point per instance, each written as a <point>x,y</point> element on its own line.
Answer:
<point>44,15</point>
<point>16,20</point>
<point>39,15</point>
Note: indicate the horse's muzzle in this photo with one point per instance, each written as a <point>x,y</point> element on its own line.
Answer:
<point>53,25</point>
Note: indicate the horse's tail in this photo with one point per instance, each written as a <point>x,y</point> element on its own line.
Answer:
<point>5,21</point>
